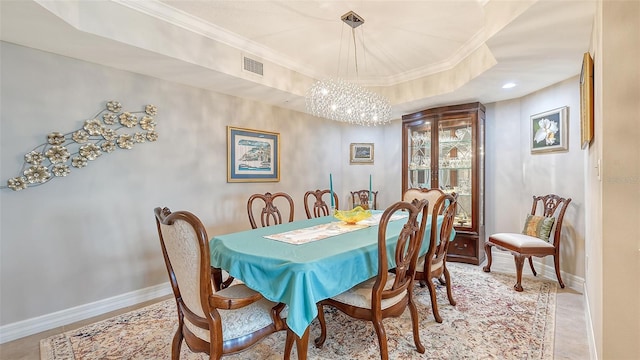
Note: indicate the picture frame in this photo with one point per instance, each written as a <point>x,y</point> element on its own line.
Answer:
<point>252,155</point>
<point>549,132</point>
<point>361,153</point>
<point>586,101</point>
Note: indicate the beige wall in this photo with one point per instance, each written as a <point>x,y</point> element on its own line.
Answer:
<point>91,235</point>
<point>613,288</point>
<point>514,174</point>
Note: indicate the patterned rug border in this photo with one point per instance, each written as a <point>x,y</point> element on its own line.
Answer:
<point>96,341</point>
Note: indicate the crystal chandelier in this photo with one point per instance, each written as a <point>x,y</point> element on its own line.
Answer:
<point>340,100</point>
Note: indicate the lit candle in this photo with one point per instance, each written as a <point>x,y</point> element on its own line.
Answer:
<point>331,188</point>
<point>370,198</point>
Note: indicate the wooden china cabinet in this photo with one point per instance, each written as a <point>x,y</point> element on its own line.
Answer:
<point>444,148</point>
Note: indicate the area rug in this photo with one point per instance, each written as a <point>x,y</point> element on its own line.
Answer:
<point>489,321</point>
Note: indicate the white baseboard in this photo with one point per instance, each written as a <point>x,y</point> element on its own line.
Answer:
<point>590,334</point>
<point>50,321</point>
<point>503,262</point>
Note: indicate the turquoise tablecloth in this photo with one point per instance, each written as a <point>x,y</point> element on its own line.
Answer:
<point>301,275</point>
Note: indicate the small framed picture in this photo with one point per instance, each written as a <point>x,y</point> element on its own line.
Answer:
<point>361,153</point>
<point>252,155</point>
<point>549,131</point>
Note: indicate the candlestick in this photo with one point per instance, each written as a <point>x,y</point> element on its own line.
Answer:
<point>331,189</point>
<point>370,199</point>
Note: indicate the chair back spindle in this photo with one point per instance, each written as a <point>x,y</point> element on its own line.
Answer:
<point>361,198</point>
<point>314,204</point>
<point>269,212</point>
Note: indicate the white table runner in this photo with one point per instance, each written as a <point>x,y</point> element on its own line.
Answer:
<point>322,231</point>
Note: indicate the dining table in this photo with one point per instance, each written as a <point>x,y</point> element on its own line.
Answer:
<point>303,262</point>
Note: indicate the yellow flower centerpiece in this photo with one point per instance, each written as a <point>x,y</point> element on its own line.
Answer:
<point>352,216</point>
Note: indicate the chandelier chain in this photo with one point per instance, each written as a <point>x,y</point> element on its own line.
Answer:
<point>355,49</point>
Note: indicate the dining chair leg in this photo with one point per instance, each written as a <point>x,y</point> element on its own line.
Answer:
<point>487,250</point>
<point>415,320</point>
<point>533,270</point>
<point>556,262</point>
<point>176,345</point>
<point>382,338</point>
<point>434,302</point>
<point>519,260</point>
<point>319,341</point>
<point>447,278</point>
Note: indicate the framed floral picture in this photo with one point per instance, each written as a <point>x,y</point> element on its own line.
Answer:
<point>361,153</point>
<point>252,155</point>
<point>549,131</point>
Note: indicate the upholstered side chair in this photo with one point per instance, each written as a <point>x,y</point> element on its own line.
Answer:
<point>314,204</point>
<point>540,237</point>
<point>390,292</point>
<point>214,322</point>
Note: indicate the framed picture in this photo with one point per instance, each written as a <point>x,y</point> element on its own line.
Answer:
<point>252,155</point>
<point>586,101</point>
<point>549,131</point>
<point>361,153</point>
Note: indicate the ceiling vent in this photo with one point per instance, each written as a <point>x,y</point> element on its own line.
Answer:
<point>253,66</point>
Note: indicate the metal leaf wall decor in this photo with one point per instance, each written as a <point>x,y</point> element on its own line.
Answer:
<point>109,130</point>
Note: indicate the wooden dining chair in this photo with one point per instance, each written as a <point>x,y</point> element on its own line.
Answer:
<point>390,292</point>
<point>361,198</point>
<point>315,206</point>
<point>540,237</point>
<point>214,322</point>
<point>432,195</point>
<point>267,205</point>
<point>433,265</point>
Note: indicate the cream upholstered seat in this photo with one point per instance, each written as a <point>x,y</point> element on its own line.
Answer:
<point>535,239</point>
<point>215,322</point>
<point>391,291</point>
<point>521,240</point>
<point>238,323</point>
<point>361,296</point>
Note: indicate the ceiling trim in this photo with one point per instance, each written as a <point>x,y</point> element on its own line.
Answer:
<point>198,26</point>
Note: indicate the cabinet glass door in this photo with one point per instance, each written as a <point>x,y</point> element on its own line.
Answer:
<point>442,148</point>
<point>420,167</point>
<point>455,160</point>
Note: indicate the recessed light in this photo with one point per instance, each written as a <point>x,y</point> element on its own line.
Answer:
<point>508,85</point>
